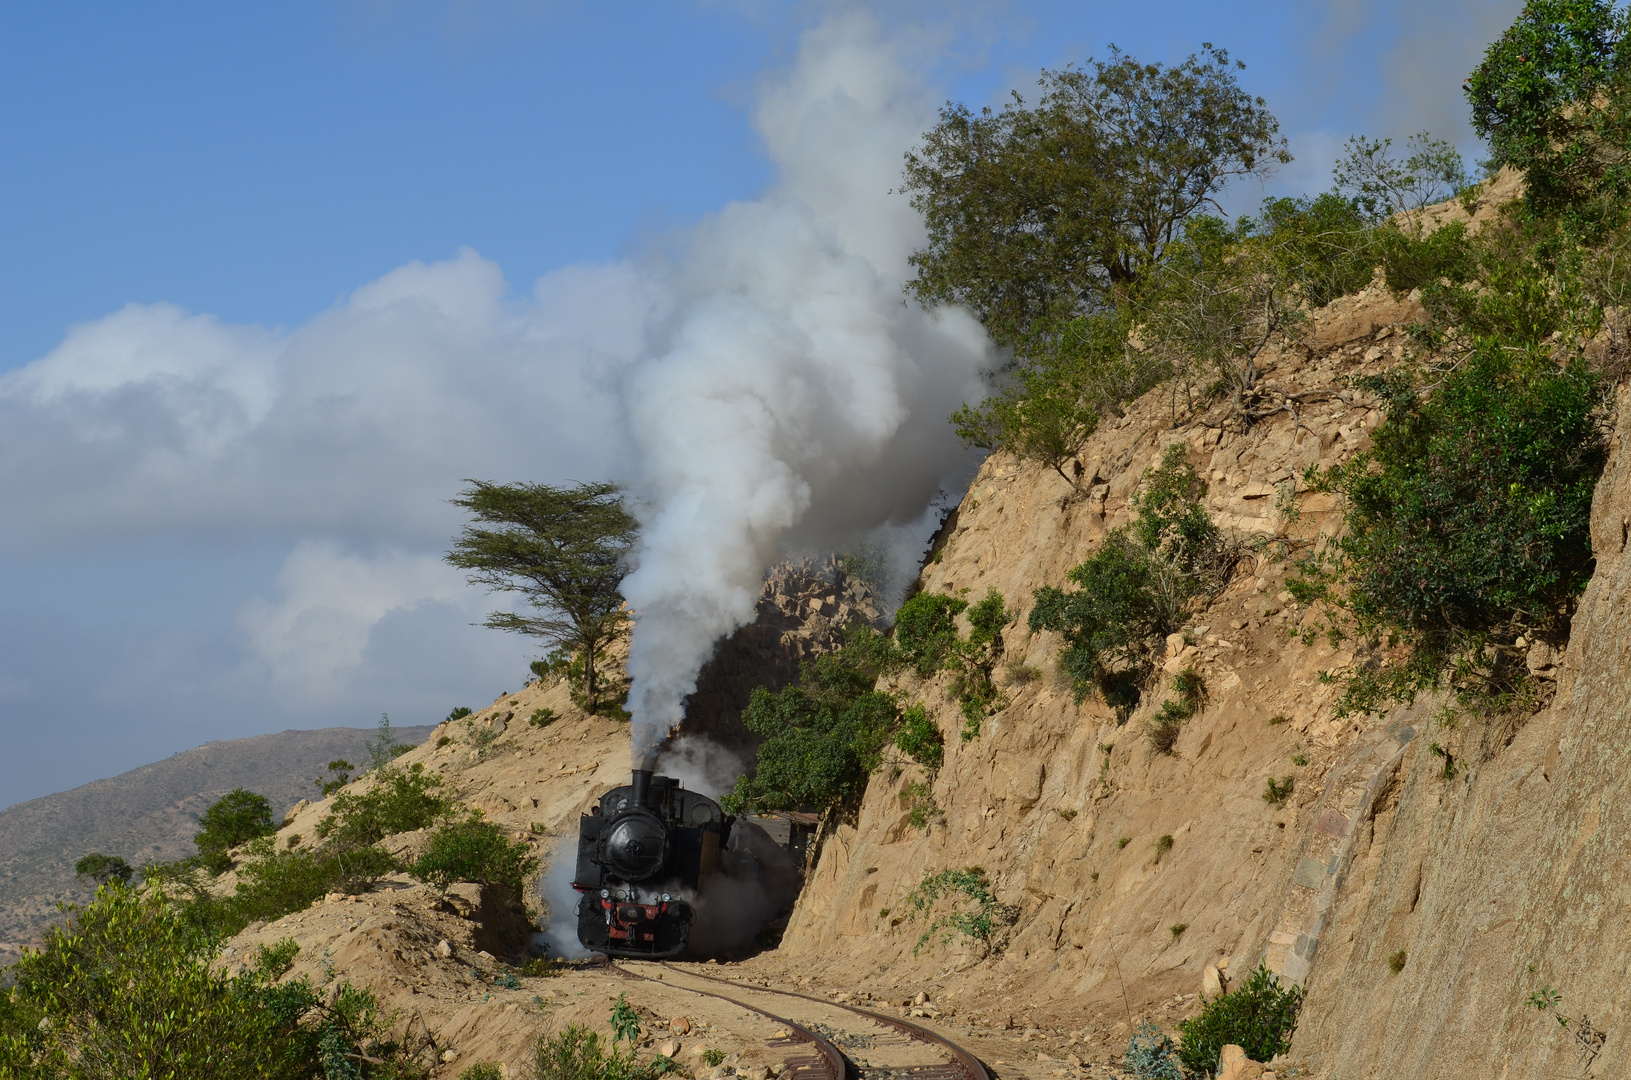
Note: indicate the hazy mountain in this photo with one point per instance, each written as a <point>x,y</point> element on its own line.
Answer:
<point>150,813</point>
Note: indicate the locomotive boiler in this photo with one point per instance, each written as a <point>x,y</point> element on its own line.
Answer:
<point>645,852</point>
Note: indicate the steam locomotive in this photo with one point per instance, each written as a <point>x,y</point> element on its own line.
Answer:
<point>645,851</point>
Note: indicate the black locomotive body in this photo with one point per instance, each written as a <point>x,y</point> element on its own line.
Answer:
<point>644,851</point>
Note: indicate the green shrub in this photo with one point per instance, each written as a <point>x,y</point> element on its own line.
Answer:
<point>128,987</point>
<point>475,850</point>
<point>967,886</point>
<point>1469,520</point>
<point>920,738</point>
<point>1258,1017</point>
<point>459,713</point>
<point>917,799</point>
<point>822,736</point>
<point>541,718</point>
<point>1134,590</point>
<point>383,748</point>
<point>1396,961</point>
<point>103,868</point>
<point>926,630</point>
<point>1276,792</point>
<point>578,1053</point>
<point>237,818</point>
<point>483,1070</point>
<point>400,800</point>
<point>274,883</point>
<point>713,1057</point>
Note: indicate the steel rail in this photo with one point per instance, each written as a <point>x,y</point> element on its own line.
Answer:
<point>828,1063</point>
<point>972,1069</point>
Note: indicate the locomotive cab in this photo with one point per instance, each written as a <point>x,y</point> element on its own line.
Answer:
<point>641,848</point>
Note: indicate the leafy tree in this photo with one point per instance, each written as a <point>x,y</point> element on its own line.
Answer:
<point>1036,215</point>
<point>564,550</point>
<point>341,770</point>
<point>383,748</point>
<point>920,738</point>
<point>237,818</point>
<point>475,850</point>
<point>1380,184</point>
<point>1556,54</point>
<point>103,868</point>
<point>1469,520</point>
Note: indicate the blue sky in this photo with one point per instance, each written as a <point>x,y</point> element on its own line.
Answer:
<point>274,277</point>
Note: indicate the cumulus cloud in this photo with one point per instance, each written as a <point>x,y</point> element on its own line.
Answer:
<point>361,423</point>
<point>315,633</point>
<point>758,382</point>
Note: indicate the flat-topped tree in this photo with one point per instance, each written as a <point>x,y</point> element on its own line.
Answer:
<point>563,548</point>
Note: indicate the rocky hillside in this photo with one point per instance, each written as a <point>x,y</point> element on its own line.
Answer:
<point>1421,876</point>
<point>149,814</point>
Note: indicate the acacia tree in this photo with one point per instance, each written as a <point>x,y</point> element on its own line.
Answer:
<point>1038,215</point>
<point>564,549</point>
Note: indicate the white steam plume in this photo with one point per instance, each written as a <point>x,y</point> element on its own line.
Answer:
<point>796,401</point>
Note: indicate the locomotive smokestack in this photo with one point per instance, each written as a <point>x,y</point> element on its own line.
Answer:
<point>642,785</point>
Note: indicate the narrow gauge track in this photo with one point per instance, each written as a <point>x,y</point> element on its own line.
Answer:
<point>879,1047</point>
<point>807,1055</point>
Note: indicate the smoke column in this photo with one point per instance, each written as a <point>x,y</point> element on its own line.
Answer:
<point>795,401</point>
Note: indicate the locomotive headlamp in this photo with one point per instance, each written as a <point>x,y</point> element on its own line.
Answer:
<point>666,898</point>
<point>605,894</point>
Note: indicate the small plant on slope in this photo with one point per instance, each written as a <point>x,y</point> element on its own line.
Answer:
<point>1258,1017</point>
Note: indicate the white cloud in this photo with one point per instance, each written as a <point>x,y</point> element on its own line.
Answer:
<point>362,422</point>
<point>315,634</point>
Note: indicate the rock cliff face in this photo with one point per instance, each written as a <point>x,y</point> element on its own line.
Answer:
<point>1130,878</point>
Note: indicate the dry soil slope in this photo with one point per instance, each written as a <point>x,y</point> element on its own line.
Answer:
<point>149,813</point>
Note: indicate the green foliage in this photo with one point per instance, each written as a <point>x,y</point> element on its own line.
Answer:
<point>128,987</point>
<point>578,1053</point>
<point>920,738</point>
<point>400,800</point>
<point>1177,930</point>
<point>1382,185</point>
<point>475,850</point>
<point>1322,247</point>
<point>1163,844</point>
<point>541,718</point>
<point>966,886</point>
<point>238,817</point>
<point>1470,516</point>
<point>1151,1055</point>
<point>926,630</point>
<point>713,1058</point>
<point>1396,961</point>
<point>1038,215</point>
<point>1258,1017</point>
<point>103,868</point>
<point>1425,262</point>
<point>917,799</point>
<point>272,882</point>
<point>625,1021</point>
<point>459,713</point>
<point>1276,792</point>
<point>822,738</point>
<point>341,770</point>
<point>483,1070</point>
<point>1051,403</point>
<point>383,748</point>
<point>1556,55</point>
<point>564,550</point>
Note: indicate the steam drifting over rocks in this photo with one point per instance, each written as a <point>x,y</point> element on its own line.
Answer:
<point>797,403</point>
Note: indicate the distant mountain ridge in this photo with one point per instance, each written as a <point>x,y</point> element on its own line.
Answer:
<point>151,813</point>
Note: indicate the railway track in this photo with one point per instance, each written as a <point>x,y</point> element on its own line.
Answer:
<point>829,1040</point>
